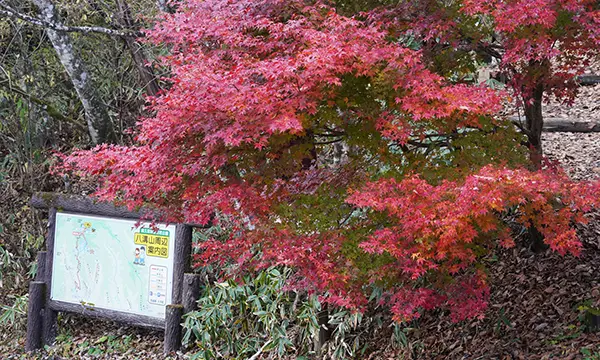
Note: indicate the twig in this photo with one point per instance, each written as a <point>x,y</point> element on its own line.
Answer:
<point>46,106</point>
<point>6,11</point>
<point>255,356</point>
<point>328,142</point>
<point>346,219</point>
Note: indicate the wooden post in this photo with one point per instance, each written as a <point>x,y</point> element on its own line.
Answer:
<point>40,275</point>
<point>191,291</point>
<point>50,325</point>
<point>594,322</point>
<point>324,329</point>
<point>37,294</point>
<point>173,315</point>
<point>181,264</point>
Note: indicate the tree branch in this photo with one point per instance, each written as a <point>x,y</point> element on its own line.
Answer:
<point>328,142</point>
<point>255,356</point>
<point>6,11</point>
<point>45,105</point>
<point>516,120</point>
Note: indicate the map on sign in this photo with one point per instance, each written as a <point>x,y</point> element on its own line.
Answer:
<point>113,264</point>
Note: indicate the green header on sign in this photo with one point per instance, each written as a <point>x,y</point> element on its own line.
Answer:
<point>152,232</point>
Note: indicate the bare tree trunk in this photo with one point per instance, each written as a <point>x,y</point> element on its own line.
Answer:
<point>96,116</point>
<point>137,51</point>
<point>162,5</point>
<point>535,124</point>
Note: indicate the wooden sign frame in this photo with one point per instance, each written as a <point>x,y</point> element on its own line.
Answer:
<point>42,314</point>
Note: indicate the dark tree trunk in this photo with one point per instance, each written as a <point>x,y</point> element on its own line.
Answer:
<point>325,329</point>
<point>534,125</point>
<point>137,51</point>
<point>536,240</point>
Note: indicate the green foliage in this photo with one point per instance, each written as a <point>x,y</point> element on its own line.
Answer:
<point>502,322</point>
<point>16,268</point>
<point>453,155</point>
<point>236,320</point>
<point>355,334</point>
<point>590,353</point>
<point>9,267</point>
<point>346,343</point>
<point>570,332</point>
<point>13,316</point>
<point>589,316</point>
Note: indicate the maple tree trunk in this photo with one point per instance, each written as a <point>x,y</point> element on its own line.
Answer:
<point>311,157</point>
<point>537,240</point>
<point>535,124</point>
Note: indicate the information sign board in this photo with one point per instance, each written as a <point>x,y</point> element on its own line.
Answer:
<point>115,264</point>
<point>103,261</point>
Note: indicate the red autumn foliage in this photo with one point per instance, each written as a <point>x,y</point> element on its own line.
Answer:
<point>258,88</point>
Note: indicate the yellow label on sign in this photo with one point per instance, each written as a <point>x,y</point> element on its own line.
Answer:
<point>156,245</point>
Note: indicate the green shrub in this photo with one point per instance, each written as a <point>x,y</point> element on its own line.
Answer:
<point>13,316</point>
<point>237,320</point>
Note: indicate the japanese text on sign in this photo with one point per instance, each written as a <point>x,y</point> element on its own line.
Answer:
<point>156,243</point>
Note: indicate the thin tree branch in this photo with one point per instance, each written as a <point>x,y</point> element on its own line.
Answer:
<point>255,356</point>
<point>340,224</point>
<point>328,142</point>
<point>337,134</point>
<point>6,11</point>
<point>428,145</point>
<point>45,105</point>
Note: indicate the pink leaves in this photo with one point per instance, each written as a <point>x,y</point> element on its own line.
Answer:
<point>468,297</point>
<point>240,70</point>
<point>451,212</point>
<point>405,304</point>
<point>511,15</point>
<point>434,229</point>
<point>263,90</point>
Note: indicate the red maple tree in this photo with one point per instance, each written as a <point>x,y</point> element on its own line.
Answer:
<point>540,45</point>
<point>333,148</point>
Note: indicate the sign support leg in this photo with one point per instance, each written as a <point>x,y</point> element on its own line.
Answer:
<point>325,330</point>
<point>191,291</point>
<point>40,274</point>
<point>173,315</point>
<point>37,295</point>
<point>50,326</point>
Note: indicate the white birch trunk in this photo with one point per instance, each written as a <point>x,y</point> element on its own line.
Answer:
<point>96,115</point>
<point>162,5</point>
